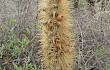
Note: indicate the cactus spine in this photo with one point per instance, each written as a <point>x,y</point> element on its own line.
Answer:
<point>58,50</point>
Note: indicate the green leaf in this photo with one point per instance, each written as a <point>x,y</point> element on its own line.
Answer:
<point>0,68</point>
<point>20,68</point>
<point>16,67</point>
<point>13,54</point>
<point>108,67</point>
<point>26,31</point>
<point>25,41</point>
<point>13,22</point>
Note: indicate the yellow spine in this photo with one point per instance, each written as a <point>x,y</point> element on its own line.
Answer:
<point>57,46</point>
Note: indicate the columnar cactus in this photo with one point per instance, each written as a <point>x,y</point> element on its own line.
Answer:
<point>57,45</point>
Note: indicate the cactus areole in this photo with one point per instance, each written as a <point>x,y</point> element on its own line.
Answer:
<point>56,35</point>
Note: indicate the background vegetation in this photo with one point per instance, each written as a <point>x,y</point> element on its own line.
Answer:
<point>19,34</point>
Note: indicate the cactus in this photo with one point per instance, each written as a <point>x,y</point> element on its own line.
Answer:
<point>57,45</point>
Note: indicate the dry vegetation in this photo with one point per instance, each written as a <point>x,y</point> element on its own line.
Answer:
<point>20,29</point>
